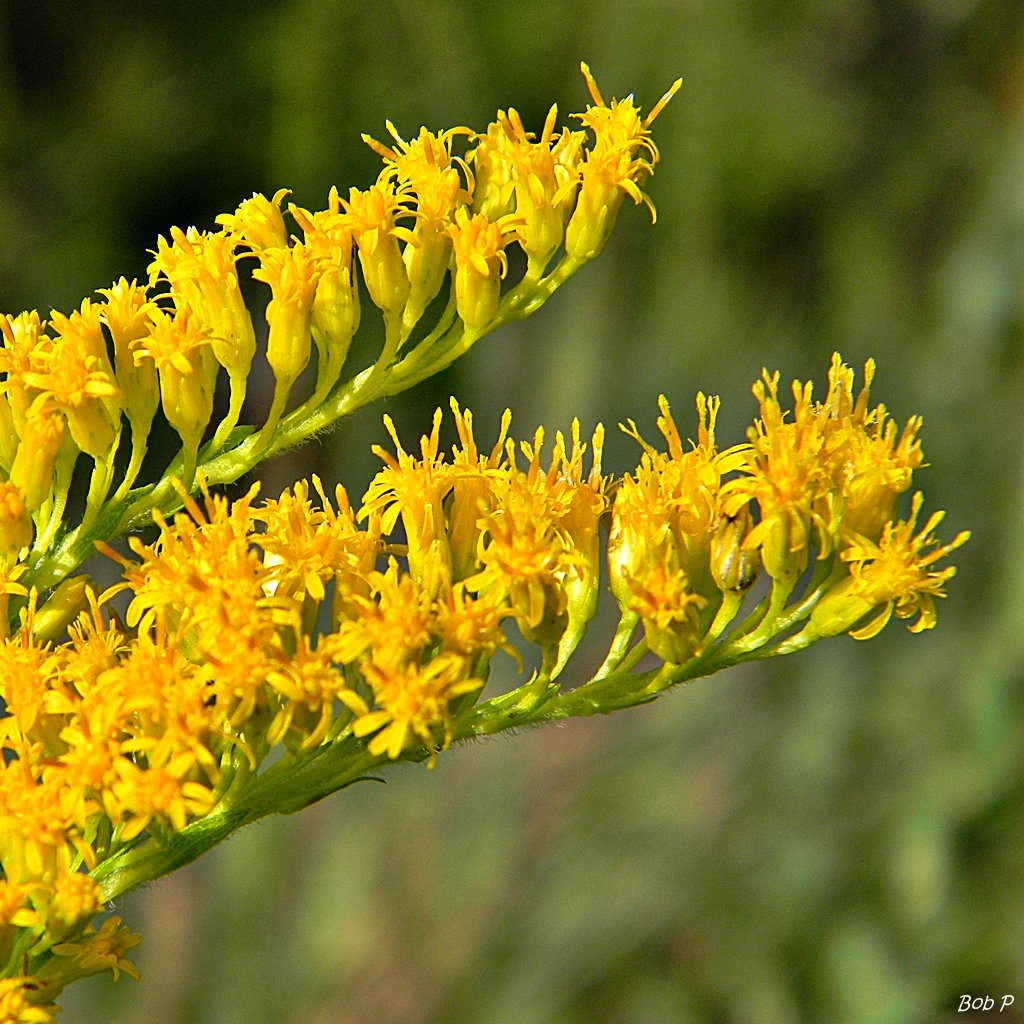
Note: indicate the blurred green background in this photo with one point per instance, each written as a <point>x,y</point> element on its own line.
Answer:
<point>836,837</point>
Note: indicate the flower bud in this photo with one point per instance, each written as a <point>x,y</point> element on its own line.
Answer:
<point>15,523</point>
<point>32,469</point>
<point>480,264</point>
<point>371,216</point>
<point>62,607</point>
<point>292,276</point>
<point>734,566</point>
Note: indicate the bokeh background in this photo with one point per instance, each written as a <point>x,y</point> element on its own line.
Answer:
<point>835,837</point>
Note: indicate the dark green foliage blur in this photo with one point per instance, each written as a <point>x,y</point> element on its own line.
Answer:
<point>836,837</point>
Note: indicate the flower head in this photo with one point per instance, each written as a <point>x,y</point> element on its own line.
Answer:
<point>73,372</point>
<point>894,576</point>
<point>125,312</point>
<point>480,264</point>
<point>200,269</point>
<point>180,348</point>
<point>824,469</point>
<point>622,156</point>
<point>372,215</point>
<point>413,702</point>
<point>292,274</point>
<point>258,222</point>
<point>543,175</point>
<point>334,316</point>
<point>668,510</point>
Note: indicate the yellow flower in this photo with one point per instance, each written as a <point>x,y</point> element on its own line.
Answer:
<point>621,157</point>
<point>480,264</point>
<point>38,835</point>
<point>306,547</point>
<point>309,684</point>
<point>668,511</point>
<point>200,267</point>
<point>527,549</point>
<point>126,314</point>
<point>415,490</point>
<point>543,176</point>
<point>587,493</point>
<point>31,685</point>
<point>892,576</point>
<point>414,701</point>
<point>102,950</point>
<point>471,498</point>
<point>206,551</point>
<point>162,700</point>
<point>180,347</point>
<point>493,190</point>
<point>334,317</point>
<point>24,344</point>
<point>292,275</point>
<point>470,624</point>
<point>75,899</point>
<point>426,173</point>
<point>41,435</point>
<point>787,474</point>
<point>73,370</point>
<point>828,468</point>
<point>871,461</point>
<point>15,522</point>
<point>373,217</point>
<point>142,794</point>
<point>394,625</point>
<point>18,1003</point>
<point>669,610</point>
<point>441,504</point>
<point>258,222</point>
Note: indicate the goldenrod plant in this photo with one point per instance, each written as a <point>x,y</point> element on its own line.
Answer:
<point>259,654</point>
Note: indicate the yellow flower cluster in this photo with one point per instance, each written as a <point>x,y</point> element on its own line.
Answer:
<point>69,384</point>
<point>302,624</point>
<point>147,727</point>
<point>811,499</point>
<point>295,624</point>
<point>258,655</point>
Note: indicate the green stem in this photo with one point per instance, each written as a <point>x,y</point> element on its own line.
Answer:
<point>619,647</point>
<point>323,772</point>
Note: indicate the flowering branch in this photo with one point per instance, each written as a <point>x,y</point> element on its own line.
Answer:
<point>273,652</point>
